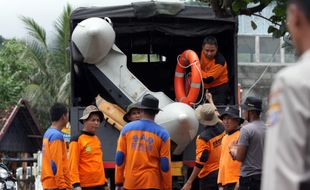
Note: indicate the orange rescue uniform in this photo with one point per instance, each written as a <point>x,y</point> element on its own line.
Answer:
<point>208,149</point>
<point>55,172</point>
<point>229,170</point>
<point>214,72</point>
<point>143,157</point>
<point>85,161</point>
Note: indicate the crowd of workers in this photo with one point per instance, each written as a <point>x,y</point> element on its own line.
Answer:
<point>230,151</point>
<point>143,159</point>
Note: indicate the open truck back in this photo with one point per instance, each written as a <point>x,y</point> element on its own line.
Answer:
<point>151,35</point>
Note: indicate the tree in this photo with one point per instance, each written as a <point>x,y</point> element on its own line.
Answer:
<point>224,8</point>
<point>51,83</point>
<point>1,41</point>
<point>14,72</point>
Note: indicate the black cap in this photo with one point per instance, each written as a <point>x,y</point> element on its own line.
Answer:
<point>252,103</point>
<point>149,102</point>
<point>232,111</point>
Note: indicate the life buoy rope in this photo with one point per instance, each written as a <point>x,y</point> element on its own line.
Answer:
<point>187,59</point>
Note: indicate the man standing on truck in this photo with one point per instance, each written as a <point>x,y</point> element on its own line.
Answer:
<point>208,149</point>
<point>250,146</point>
<point>143,152</point>
<point>85,154</point>
<point>286,164</point>
<point>55,171</point>
<point>214,71</point>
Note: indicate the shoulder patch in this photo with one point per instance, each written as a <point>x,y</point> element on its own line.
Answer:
<point>220,59</point>
<point>204,156</point>
<point>164,164</point>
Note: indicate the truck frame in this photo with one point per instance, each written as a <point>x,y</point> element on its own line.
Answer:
<point>151,35</point>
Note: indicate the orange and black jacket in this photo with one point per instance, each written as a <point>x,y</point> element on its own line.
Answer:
<point>229,170</point>
<point>55,172</point>
<point>143,157</point>
<point>214,72</point>
<point>208,149</point>
<point>85,161</point>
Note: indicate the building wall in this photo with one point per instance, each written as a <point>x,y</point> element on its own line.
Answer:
<point>260,56</point>
<point>256,79</point>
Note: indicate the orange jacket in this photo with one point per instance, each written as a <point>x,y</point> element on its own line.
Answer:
<point>85,161</point>
<point>214,72</point>
<point>55,173</point>
<point>143,157</point>
<point>208,149</point>
<point>229,170</point>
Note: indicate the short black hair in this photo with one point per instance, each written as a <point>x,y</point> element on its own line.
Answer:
<point>57,110</point>
<point>304,5</point>
<point>256,112</point>
<point>150,112</point>
<point>210,40</point>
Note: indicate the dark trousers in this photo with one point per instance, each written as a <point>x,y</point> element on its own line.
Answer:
<point>250,182</point>
<point>209,182</point>
<point>230,186</point>
<point>146,189</point>
<point>101,187</point>
<point>220,94</point>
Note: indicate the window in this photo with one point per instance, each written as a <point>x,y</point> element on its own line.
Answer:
<point>146,58</point>
<point>263,49</point>
<point>269,50</point>
<point>246,49</point>
<point>290,54</point>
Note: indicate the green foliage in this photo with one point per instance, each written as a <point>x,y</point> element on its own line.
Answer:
<point>62,27</point>
<point>52,82</point>
<point>34,30</point>
<point>277,27</point>
<point>239,5</point>
<point>1,41</point>
<point>253,24</point>
<point>279,17</point>
<point>36,70</point>
<point>15,72</point>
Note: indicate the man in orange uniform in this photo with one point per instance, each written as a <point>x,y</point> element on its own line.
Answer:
<point>229,169</point>
<point>85,154</point>
<point>214,71</point>
<point>143,152</point>
<point>208,149</point>
<point>55,173</point>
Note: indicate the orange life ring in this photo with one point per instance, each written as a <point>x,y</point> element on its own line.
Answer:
<point>188,57</point>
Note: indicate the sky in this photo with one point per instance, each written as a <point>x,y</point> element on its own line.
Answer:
<point>44,12</point>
